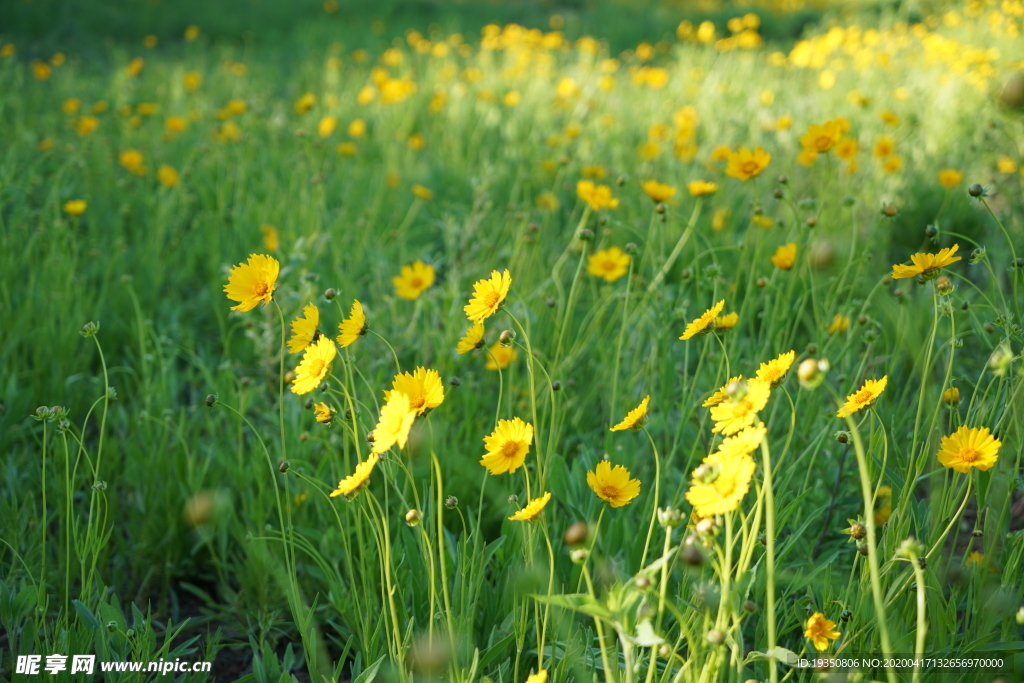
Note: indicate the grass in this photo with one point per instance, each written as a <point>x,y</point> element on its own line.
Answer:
<point>173,500</point>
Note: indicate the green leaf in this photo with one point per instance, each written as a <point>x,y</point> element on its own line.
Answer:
<point>371,673</point>
<point>784,656</point>
<point>578,602</point>
<point>85,614</point>
<point>645,635</point>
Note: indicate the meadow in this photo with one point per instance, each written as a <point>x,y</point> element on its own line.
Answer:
<point>637,342</point>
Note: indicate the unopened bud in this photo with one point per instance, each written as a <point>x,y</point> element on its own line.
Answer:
<point>669,517</point>
<point>330,293</point>
<point>506,337</point>
<point>843,437</point>
<point>642,583</point>
<point>858,531</point>
<point>576,534</point>
<point>750,606</point>
<point>586,234</point>
<point>716,637</point>
<point>90,329</point>
<point>579,555</point>
<point>975,190</point>
<point>513,499</point>
<point>451,502</point>
<point>889,210</point>
<point>455,382</point>
<point>413,517</point>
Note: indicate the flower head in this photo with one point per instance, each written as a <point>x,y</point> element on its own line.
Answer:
<point>252,282</point>
<point>883,505</point>
<point>745,164</point>
<point>702,188</point>
<point>723,479</point>
<point>488,296</point>
<point>304,329</point>
<point>500,357</point>
<point>840,323</point>
<point>413,280</point>
<point>821,630</point>
<point>532,510</point>
<point>423,387</point>
<point>132,160</point>
<point>353,327</point>
<point>539,677</point>
<point>635,419</point>
<point>396,418</point>
<point>926,265</point>
<point>75,207</point>
<point>727,321</point>
<point>421,192</point>
<point>774,371</point>
<point>950,177</point>
<point>357,480</point>
<point>596,196</point>
<point>969,447</point>
<point>271,237</point>
<point>323,413</point>
<point>612,484</point>
<point>659,192</point>
<point>863,397</point>
<point>821,138</point>
<point>785,256</point>
<point>507,446</point>
<point>167,175</point>
<point>610,264</point>
<point>741,407</point>
<point>315,366</point>
<point>705,323</point>
<point>473,339</point>
<point>722,393</point>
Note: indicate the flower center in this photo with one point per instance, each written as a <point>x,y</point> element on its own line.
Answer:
<point>823,142</point>
<point>609,491</point>
<point>261,289</point>
<point>749,167</point>
<point>509,449</point>
<point>863,396</point>
<point>609,266</point>
<point>316,367</point>
<point>969,454</point>
<point>491,299</point>
<point>415,283</point>
<point>416,402</point>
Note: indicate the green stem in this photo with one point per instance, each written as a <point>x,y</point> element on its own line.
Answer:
<point>769,529</point>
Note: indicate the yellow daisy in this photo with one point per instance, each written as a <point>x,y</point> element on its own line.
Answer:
<point>252,282</point>
<point>610,264</point>
<point>705,323</point>
<point>785,256</point>
<point>926,265</point>
<point>740,409</point>
<point>507,446</point>
<point>722,393</point>
<point>413,280</point>
<point>396,418</point>
<point>423,387</point>
<point>353,327</point>
<point>539,677</point>
<point>702,188</point>
<point>745,164</point>
<point>821,630</point>
<point>774,371</point>
<point>357,480</point>
<point>314,367</point>
<point>75,207</point>
<point>883,505</point>
<point>969,447</point>
<point>304,329</point>
<point>950,177</point>
<point>727,321</point>
<point>722,481</point>
<point>323,413</point>
<point>473,340</point>
<point>840,323</point>
<point>612,484</point>
<point>863,397</point>
<point>596,196</point>
<point>488,296</point>
<point>532,509</point>
<point>635,419</point>
<point>500,357</point>
<point>659,192</point>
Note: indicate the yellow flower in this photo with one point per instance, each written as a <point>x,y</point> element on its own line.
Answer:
<point>847,148</point>
<point>596,196</point>
<point>423,387</point>
<point>635,419</point>
<point>807,157</point>
<point>722,393</point>
<point>271,237</point>
<point>417,142</point>
<point>701,188</point>
<point>422,192</point>
<point>723,479</point>
<point>951,396</point>
<point>610,263</point>
<point>305,103</point>
<point>314,367</point>
<point>840,323</point>
<point>705,323</point>
<point>500,357</point>
<point>192,80</point>
<point>357,128</point>
<point>346,149</point>
<point>883,505</point>
<point>326,126</point>
<point>727,321</point>
<point>821,138</point>
<point>413,280</point>
<point>889,118</point>
<point>741,406</point>
<point>84,125</point>
<point>488,296</point>
<point>191,33</point>
<point>974,559</point>
<point>71,105</point>
<point>357,480</point>
<point>132,160</point>
<point>473,339</point>
<point>885,146</point>
<point>595,171</point>
<point>323,413</point>
<point>950,177</point>
<point>539,677</point>
<point>304,329</point>
<point>529,514</point>
<point>926,265</point>
<point>41,70</point>
<point>785,256</point>
<point>175,124</point>
<point>612,484</point>
<point>548,201</point>
<point>396,418</point>
<point>45,144</point>
<point>893,164</point>
<point>864,397</point>
<point>745,164</point>
<point>1006,165</point>
<point>763,222</point>
<point>353,327</point>
<point>135,67</point>
<point>821,630</point>
<point>507,446</point>
<point>252,282</point>
<point>167,175</point>
<point>969,447</point>
<point>75,207</point>
<point>774,371</point>
<point>658,192</point>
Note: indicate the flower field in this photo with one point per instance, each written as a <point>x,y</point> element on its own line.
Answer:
<point>426,350</point>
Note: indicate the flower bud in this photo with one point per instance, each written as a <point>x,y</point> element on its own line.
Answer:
<point>749,607</point>
<point>951,397</point>
<point>330,293</point>
<point>692,556</point>
<point>890,211</point>
<point>556,385</point>
<point>716,637</point>
<point>631,248</point>
<point>455,382</point>
<point>843,437</point>
<point>622,179</point>
<point>931,231</point>
<point>669,517</point>
<point>858,531</point>
<point>586,234</point>
<point>576,534</point>
<point>413,517</point>
<point>90,329</point>
<point>944,286</point>
<point>812,221</point>
<point>777,193</point>
<point>642,583</point>
<point>811,372</point>
<point>706,526</point>
<point>783,180</point>
<point>451,502</point>
<point>579,555</point>
<point>513,499</point>
<point>976,190</point>
<point>1020,615</point>
<point>283,466</point>
<point>507,337</point>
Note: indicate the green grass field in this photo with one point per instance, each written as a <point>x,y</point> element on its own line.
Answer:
<point>170,480</point>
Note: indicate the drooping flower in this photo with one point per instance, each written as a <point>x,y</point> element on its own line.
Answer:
<point>304,329</point>
<point>741,407</point>
<point>659,192</point>
<point>702,188</point>
<point>75,207</point>
<point>353,327</point>
<point>612,484</point>
<point>785,256</point>
<point>969,447</point>
<point>596,196</point>
<point>323,413</point>
<point>722,393</point>
<point>315,366</point>
<point>926,265</point>
<point>774,371</point>
<point>488,296</point>
<point>473,339</point>
<point>705,323</point>
<point>610,264</point>
<point>396,418</point>
<point>863,397</point>
<point>423,387</point>
<point>745,164</point>
<point>635,419</point>
<point>357,480</point>
<point>821,630</point>
<point>252,282</point>
<point>413,280</point>
<point>721,482</point>
<point>507,446</point>
<point>529,513</point>
<point>500,357</point>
